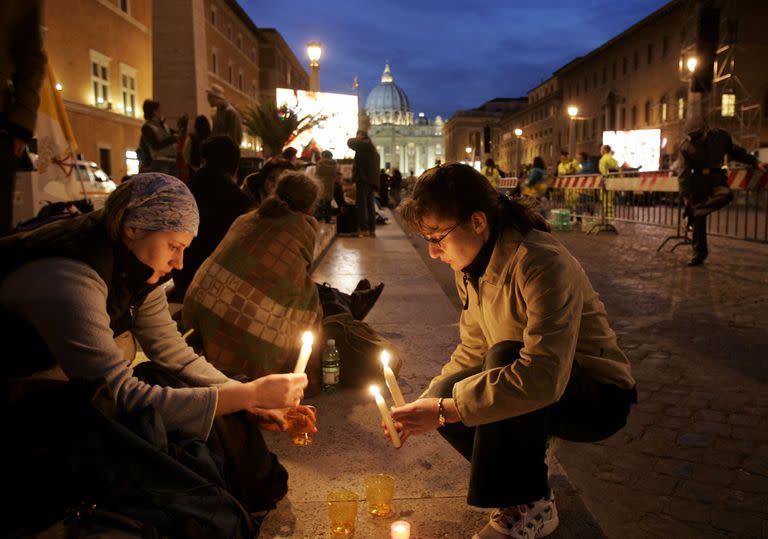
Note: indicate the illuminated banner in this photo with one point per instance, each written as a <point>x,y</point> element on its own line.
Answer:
<point>640,148</point>
<point>340,123</point>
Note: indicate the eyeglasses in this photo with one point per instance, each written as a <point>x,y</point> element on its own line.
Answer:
<point>436,241</point>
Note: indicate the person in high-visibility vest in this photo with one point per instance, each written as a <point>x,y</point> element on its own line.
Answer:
<point>607,164</point>
<point>491,171</point>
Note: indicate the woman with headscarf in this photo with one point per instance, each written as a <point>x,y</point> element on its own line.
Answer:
<point>70,293</point>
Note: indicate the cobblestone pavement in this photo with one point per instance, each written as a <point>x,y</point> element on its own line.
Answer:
<point>693,459</point>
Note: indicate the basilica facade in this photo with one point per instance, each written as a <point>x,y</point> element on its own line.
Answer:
<point>410,144</point>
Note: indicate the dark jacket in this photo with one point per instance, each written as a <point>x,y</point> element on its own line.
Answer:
<point>219,201</point>
<point>85,239</point>
<point>366,165</point>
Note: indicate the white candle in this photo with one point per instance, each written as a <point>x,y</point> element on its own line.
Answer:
<point>400,530</point>
<point>306,351</point>
<point>395,437</point>
<point>389,376</point>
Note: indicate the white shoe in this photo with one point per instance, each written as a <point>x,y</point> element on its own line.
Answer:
<point>526,521</point>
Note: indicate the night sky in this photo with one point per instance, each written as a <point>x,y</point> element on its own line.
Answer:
<point>446,55</point>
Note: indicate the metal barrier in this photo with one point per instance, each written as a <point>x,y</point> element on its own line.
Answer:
<point>653,198</point>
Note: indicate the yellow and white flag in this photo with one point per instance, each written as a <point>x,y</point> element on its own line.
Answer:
<point>57,174</point>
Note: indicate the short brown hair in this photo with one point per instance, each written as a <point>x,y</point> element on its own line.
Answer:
<point>455,191</point>
<point>295,191</point>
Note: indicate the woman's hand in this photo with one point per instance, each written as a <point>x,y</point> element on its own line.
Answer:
<point>271,419</point>
<point>277,390</point>
<point>416,417</point>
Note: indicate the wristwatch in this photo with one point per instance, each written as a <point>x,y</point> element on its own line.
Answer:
<point>440,412</point>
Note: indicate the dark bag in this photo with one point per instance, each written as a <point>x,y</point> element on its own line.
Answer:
<point>359,350</point>
<point>55,211</point>
<point>73,447</point>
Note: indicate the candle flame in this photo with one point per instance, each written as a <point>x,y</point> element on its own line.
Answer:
<point>385,358</point>
<point>374,389</point>
<point>307,338</point>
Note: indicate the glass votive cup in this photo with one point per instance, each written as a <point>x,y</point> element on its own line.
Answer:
<point>342,512</point>
<point>379,491</point>
<point>301,422</point>
<point>400,529</point>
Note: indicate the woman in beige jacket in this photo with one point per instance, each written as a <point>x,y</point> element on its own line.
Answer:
<point>537,357</point>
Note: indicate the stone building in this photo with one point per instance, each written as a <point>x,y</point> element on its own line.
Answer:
<point>474,135</point>
<point>104,75</point>
<point>639,80</point>
<point>402,142</point>
<point>201,42</point>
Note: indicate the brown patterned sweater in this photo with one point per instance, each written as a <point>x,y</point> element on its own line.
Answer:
<point>253,297</point>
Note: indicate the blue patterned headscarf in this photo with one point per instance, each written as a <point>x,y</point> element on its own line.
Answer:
<point>161,202</point>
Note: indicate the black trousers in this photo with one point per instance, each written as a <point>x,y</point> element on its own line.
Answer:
<point>508,458</point>
<point>366,212</point>
<point>706,193</point>
<point>8,165</point>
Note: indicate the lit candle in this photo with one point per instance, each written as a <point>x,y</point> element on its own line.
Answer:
<point>306,351</point>
<point>389,376</point>
<point>400,530</point>
<point>395,437</point>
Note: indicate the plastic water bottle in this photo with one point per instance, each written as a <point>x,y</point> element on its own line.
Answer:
<point>330,365</point>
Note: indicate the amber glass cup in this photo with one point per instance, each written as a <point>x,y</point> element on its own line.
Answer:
<point>379,490</point>
<point>301,422</point>
<point>342,512</point>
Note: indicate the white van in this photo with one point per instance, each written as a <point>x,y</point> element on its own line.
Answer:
<point>32,193</point>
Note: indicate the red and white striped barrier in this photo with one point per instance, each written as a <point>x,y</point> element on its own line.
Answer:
<point>507,183</point>
<point>577,181</point>
<point>747,178</point>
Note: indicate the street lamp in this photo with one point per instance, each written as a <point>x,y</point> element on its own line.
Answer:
<point>468,149</point>
<point>314,51</point>
<point>518,134</point>
<point>691,64</point>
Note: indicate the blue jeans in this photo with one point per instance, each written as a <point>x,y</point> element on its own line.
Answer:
<point>508,457</point>
<point>366,213</point>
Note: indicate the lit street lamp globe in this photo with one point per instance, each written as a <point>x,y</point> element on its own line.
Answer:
<point>314,51</point>
<point>518,132</point>
<point>691,63</point>
<point>572,111</point>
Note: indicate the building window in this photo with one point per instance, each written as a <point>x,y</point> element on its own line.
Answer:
<point>681,108</point>
<point>213,16</point>
<point>254,89</point>
<point>230,71</point>
<point>634,116</point>
<point>663,110</point>
<point>624,65</point>
<point>240,41</point>
<point>123,5</point>
<point>214,61</point>
<point>586,85</point>
<point>127,90</point>
<point>728,105</point>
<point>664,46</point>
<point>623,118</point>
<point>605,74</point>
<point>650,53</point>
<point>100,80</point>
<point>240,80</point>
<point>131,162</point>
<point>253,54</point>
<point>647,112</point>
<point>613,71</point>
<point>229,32</point>
<point>636,60</point>
<point>594,79</point>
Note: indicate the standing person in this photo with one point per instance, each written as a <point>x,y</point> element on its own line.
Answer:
<point>22,68</point>
<point>566,164</point>
<point>703,181</point>
<point>325,170</point>
<point>365,174</point>
<point>226,120</point>
<point>536,358</point>
<point>158,140</point>
<point>396,186</point>
<point>491,171</point>
<point>586,166</point>
<point>219,200</point>
<point>201,130</point>
<point>70,293</point>
<point>383,188</point>
<point>608,162</point>
<point>536,185</point>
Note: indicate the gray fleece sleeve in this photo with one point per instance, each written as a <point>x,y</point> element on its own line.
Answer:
<point>66,302</point>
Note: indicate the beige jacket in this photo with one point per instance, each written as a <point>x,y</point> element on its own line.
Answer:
<point>535,292</point>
